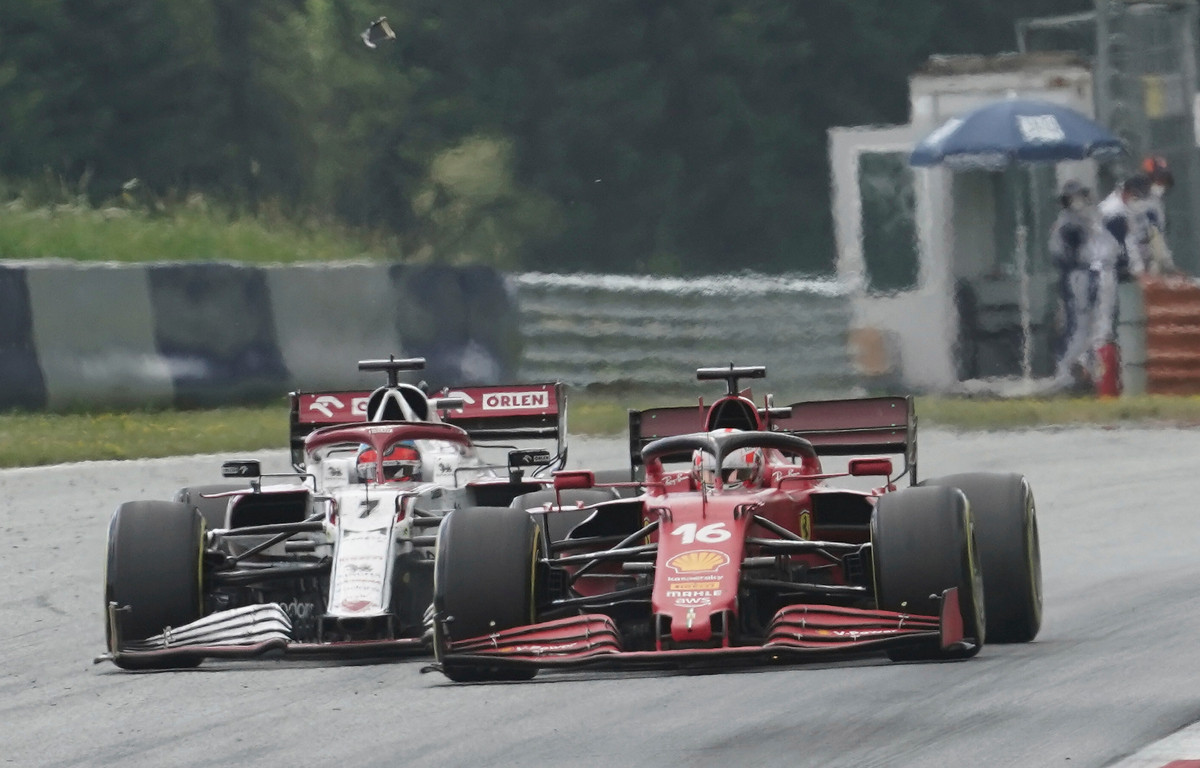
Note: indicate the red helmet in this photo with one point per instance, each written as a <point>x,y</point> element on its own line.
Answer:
<point>1155,167</point>
<point>401,462</point>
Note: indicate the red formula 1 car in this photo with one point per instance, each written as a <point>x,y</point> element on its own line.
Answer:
<point>739,550</point>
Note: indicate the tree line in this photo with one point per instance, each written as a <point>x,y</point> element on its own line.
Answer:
<point>603,135</point>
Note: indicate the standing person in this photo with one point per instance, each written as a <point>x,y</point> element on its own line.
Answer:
<point>1124,216</point>
<point>1158,259</point>
<point>1123,212</point>
<point>1083,251</point>
<point>1161,182</point>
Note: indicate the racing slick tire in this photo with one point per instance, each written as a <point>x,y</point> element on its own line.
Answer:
<point>484,581</point>
<point>1005,517</point>
<point>923,543</point>
<point>212,510</point>
<point>152,575</point>
<point>559,524</point>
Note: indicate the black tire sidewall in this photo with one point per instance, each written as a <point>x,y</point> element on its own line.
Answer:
<point>484,571</point>
<point>921,540</point>
<point>1005,516</point>
<point>153,570</point>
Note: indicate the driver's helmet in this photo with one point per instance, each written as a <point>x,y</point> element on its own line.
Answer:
<point>401,462</point>
<point>740,468</point>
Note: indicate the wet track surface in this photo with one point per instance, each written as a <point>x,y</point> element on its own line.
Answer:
<point>1115,667</point>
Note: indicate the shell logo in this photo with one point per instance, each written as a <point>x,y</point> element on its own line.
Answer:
<point>698,561</point>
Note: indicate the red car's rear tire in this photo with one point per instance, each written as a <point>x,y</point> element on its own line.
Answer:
<point>1005,517</point>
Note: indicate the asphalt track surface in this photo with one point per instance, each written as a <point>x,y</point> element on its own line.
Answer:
<point>1115,668</point>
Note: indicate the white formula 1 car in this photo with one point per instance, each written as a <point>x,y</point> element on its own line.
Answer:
<point>337,557</point>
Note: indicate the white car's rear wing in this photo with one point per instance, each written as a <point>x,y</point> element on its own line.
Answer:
<point>495,413</point>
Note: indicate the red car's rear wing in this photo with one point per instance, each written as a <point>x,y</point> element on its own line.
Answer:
<point>834,427</point>
<point>491,413</point>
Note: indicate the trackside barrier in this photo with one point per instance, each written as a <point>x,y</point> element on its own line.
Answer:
<point>624,330</point>
<point>211,333</point>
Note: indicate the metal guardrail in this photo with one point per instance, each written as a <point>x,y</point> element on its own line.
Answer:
<point>624,330</point>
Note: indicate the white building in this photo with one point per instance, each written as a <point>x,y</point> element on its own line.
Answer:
<point>932,253</point>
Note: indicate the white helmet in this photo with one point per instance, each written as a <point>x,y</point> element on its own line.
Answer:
<point>741,468</point>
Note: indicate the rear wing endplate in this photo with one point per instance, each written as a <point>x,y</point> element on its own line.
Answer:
<point>488,414</point>
<point>835,427</point>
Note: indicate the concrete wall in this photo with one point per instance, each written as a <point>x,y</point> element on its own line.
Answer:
<point>192,334</point>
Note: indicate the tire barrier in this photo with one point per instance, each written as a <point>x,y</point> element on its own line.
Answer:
<point>203,334</point>
<point>214,328</point>
<point>23,383</point>
<point>96,337</point>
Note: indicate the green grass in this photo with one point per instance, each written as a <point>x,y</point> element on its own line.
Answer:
<point>37,439</point>
<point>187,233</point>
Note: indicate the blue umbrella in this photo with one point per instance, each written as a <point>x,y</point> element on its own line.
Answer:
<point>1010,131</point>
<point>1016,132</point>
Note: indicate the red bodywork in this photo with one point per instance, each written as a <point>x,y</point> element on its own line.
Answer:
<point>721,555</point>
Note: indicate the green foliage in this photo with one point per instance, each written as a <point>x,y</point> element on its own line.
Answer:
<point>190,232</point>
<point>647,136</point>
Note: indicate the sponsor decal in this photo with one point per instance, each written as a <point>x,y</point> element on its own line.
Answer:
<point>361,570</point>
<point>298,610</point>
<point>695,593</point>
<point>1040,129</point>
<point>698,561</point>
<point>689,602</point>
<point>465,397</point>
<point>854,634</point>
<point>503,401</point>
<point>326,404</point>
<point>675,587</point>
<point>333,407</point>
<point>806,525</point>
<point>781,474</point>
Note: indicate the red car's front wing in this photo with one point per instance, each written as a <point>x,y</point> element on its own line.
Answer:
<point>796,631</point>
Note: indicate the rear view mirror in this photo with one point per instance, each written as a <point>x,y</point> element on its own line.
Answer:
<point>574,480</point>
<point>532,458</point>
<point>871,467</point>
<point>247,468</point>
<point>447,403</point>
